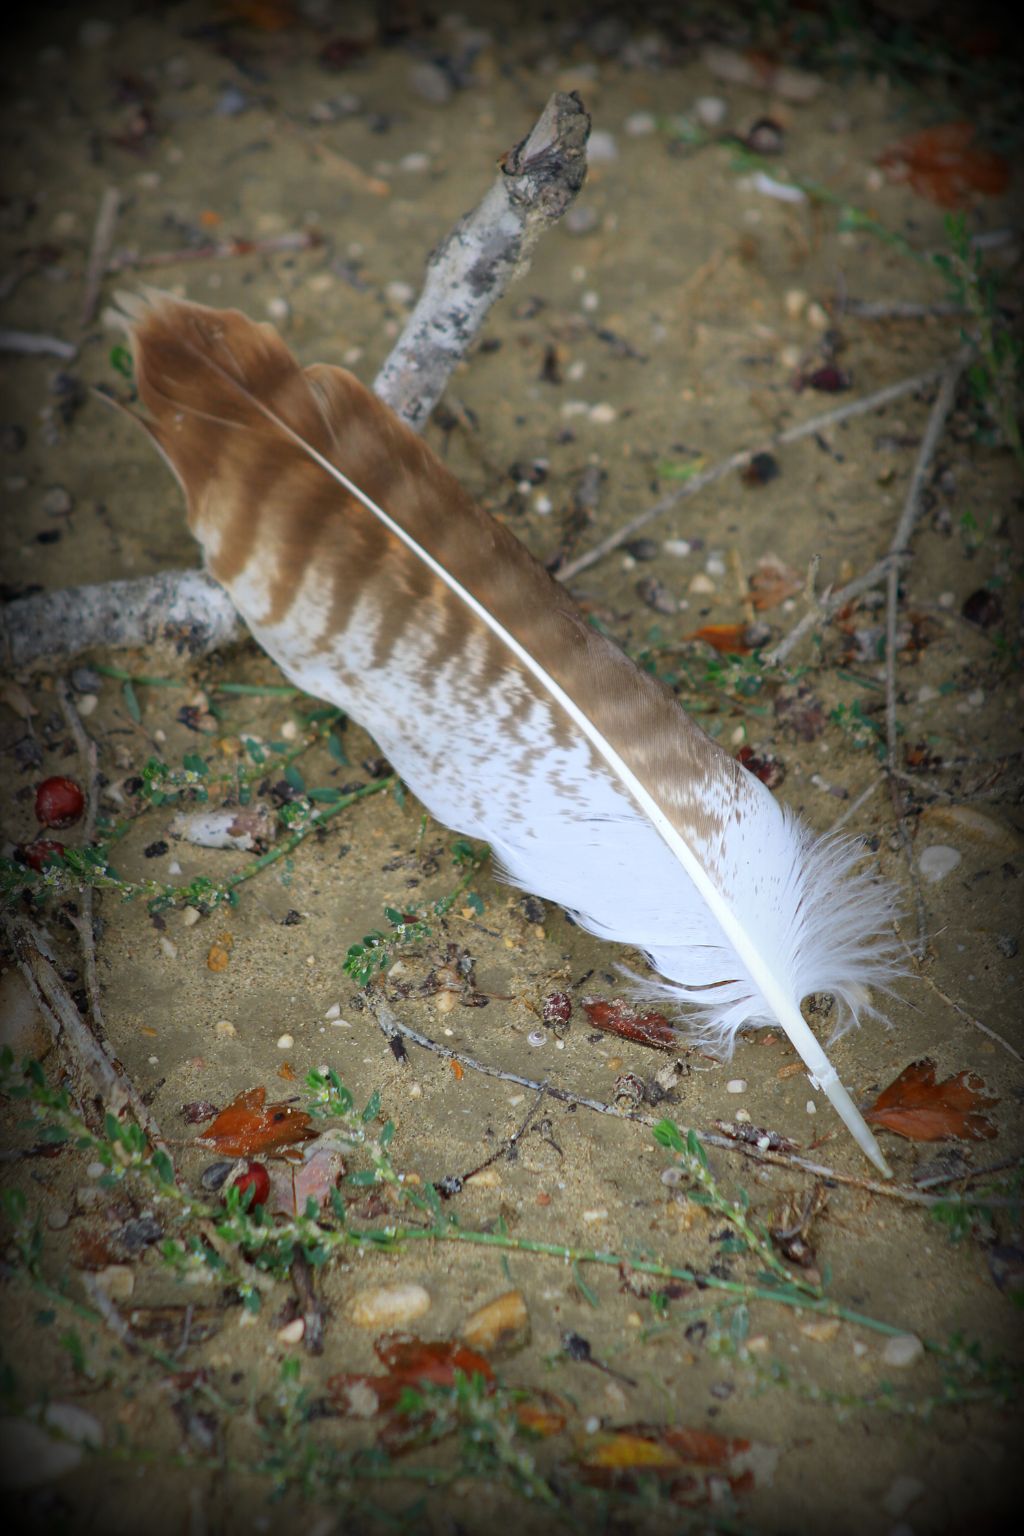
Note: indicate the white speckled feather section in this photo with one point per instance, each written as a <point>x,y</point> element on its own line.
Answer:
<point>363,568</point>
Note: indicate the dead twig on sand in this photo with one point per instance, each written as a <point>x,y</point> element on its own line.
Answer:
<point>873,402</point>
<point>899,550</point>
<point>537,182</point>
<point>186,611</point>
<point>217,250</point>
<point>99,252</point>
<point>393,1028</point>
<point>36,344</point>
<point>106,1075</point>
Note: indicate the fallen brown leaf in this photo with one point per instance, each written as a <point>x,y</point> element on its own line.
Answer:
<point>919,1108</point>
<point>249,1125</point>
<point>652,1029</point>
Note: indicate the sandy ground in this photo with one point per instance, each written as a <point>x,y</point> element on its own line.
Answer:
<point>675,311</point>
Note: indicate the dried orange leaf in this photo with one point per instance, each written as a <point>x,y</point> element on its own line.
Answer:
<point>249,1125</point>
<point>730,638</point>
<point>918,1107</point>
<point>651,1029</point>
<point>942,165</point>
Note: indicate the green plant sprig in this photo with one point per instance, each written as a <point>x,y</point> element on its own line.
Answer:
<point>372,956</point>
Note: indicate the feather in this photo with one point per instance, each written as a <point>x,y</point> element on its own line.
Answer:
<point>368,574</point>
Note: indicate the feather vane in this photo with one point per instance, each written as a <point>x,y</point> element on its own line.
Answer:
<point>366,571</point>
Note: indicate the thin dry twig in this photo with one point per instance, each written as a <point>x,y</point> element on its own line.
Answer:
<point>217,250</point>
<point>822,608</point>
<point>99,251</point>
<point>392,1028</point>
<point>899,550</point>
<point>538,180</point>
<point>37,344</point>
<point>737,460</point>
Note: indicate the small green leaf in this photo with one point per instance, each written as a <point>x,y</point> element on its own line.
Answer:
<point>131,702</point>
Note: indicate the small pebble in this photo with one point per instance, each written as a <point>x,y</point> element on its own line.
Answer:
<point>285,1042</point>
<point>710,111</point>
<point>594,1216</point>
<point>937,861</point>
<point>822,1330</point>
<point>292,1332</point>
<point>57,502</point>
<point>811,1107</point>
<point>116,1281</point>
<point>701,583</point>
<point>737,1085</point>
<point>430,81</point>
<point>399,293</point>
<point>603,414</point>
<point>679,548</point>
<point>947,599</point>
<point>415,164</point>
<point>580,219</point>
<point>602,147</point>
<point>715,565</point>
<point>795,302</point>
<point>86,704</point>
<point>190,916</point>
<point>333,1012</point>
<point>903,1350</point>
<point>817,317</point>
<point>57,1218</point>
<point>168,946</point>
<point>279,309</point>
<point>388,1306</point>
<point>225,1029</point>
<point>487,1178</point>
<point>231,102</point>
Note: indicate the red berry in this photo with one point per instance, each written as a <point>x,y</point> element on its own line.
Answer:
<point>59,802</point>
<point>257,1179</point>
<point>38,854</point>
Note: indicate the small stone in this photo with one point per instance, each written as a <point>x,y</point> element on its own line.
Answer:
<point>279,309</point>
<point>536,1037</point>
<point>415,164</point>
<point>487,1178</point>
<point>643,549</point>
<point>116,1281</point>
<point>86,704</point>
<point>603,414</point>
<point>810,1107</point>
<point>595,1215</point>
<point>580,219</point>
<point>57,1218</point>
<point>822,1330</point>
<point>399,293</point>
<point>937,861</point>
<point>334,1012</point>
<point>85,680</point>
<point>285,1042</point>
<point>190,916</point>
<point>737,1085</point>
<point>602,147</point>
<point>168,946</point>
<point>225,1029</point>
<point>795,302</point>
<point>903,1350</point>
<point>388,1306</point>
<point>292,1332</point>
<point>678,548</point>
<point>231,102</point>
<point>701,584</point>
<point>499,1326</point>
<point>903,1491</point>
<point>710,111</point>
<point>817,317</point>
<point>430,81</point>
<point>57,502</point>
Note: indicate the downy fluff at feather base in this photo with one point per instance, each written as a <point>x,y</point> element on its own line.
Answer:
<point>364,569</point>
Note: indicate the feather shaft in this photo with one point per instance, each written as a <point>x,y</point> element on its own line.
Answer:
<point>361,566</point>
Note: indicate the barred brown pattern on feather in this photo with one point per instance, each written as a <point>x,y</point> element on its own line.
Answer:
<point>365,570</point>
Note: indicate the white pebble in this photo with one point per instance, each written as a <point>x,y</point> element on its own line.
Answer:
<point>285,1042</point>
<point>543,505</point>
<point>817,317</point>
<point>333,1012</point>
<point>903,1350</point>
<point>926,693</point>
<point>795,303</point>
<point>811,1107</point>
<point>715,565</point>
<point>292,1332</point>
<point>388,1306</point>
<point>279,309</point>
<point>86,703</point>
<point>415,164</point>
<point>947,599</point>
<point>169,947</point>
<point>190,916</point>
<point>937,861</point>
<point>399,293</point>
<point>736,1085</point>
<point>603,415</point>
<point>680,548</point>
<point>639,124</point>
<point>701,583</point>
<point>743,1116</point>
<point>976,698</point>
<point>225,1029</point>
<point>710,111</point>
<point>592,1216</point>
<point>601,147</point>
